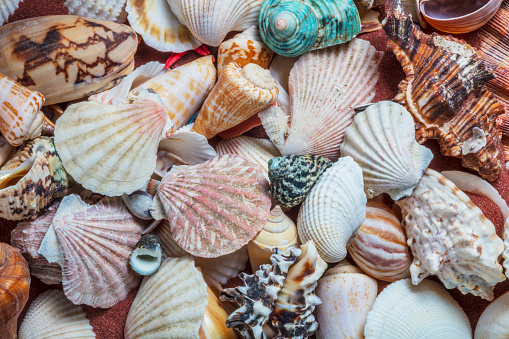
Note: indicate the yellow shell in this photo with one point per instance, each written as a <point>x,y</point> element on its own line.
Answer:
<point>213,325</point>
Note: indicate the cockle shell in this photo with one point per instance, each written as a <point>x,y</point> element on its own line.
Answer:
<point>92,244</point>
<point>333,210</point>
<point>293,27</point>
<point>380,248</point>
<point>403,310</point>
<point>240,93</point>
<point>147,255</point>
<point>52,315</point>
<point>450,237</point>
<point>59,55</point>
<point>493,323</point>
<point>7,7</point>
<point>456,110</point>
<point>210,21</point>
<point>382,141</point>
<point>111,10</point>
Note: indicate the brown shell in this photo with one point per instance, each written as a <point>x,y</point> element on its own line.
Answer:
<point>443,92</point>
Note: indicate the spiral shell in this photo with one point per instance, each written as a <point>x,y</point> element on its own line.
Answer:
<point>147,255</point>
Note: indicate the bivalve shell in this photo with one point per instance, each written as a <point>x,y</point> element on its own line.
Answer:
<point>7,7</point>
<point>111,10</point>
<point>494,321</point>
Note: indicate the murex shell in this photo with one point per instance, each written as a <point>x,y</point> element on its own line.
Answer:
<point>382,141</point>
<point>450,237</point>
<point>494,321</point>
<point>66,57</point>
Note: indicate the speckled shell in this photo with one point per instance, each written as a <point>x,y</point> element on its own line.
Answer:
<point>52,315</point>
<point>334,210</point>
<point>240,93</point>
<point>293,27</point>
<point>147,255</point>
<point>58,55</point>
<point>43,179</point>
<point>293,176</point>
<point>456,110</point>
<point>494,321</point>
<point>7,7</point>
<point>450,237</point>
<point>111,10</point>
<point>429,310</point>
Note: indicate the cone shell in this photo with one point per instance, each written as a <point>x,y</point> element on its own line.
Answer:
<point>52,315</point>
<point>450,237</point>
<point>170,304</point>
<point>230,189</point>
<point>239,94</point>
<point>111,10</point>
<point>493,323</point>
<point>329,220</point>
<point>34,49</point>
<point>7,7</point>
<point>430,310</point>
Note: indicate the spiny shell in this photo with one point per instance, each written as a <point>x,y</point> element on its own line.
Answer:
<point>52,315</point>
<point>111,10</point>
<point>147,255</point>
<point>450,237</point>
<point>293,27</point>
<point>382,141</point>
<point>494,321</point>
<point>403,310</point>
<point>7,7</point>
<point>334,210</point>
<point>59,55</point>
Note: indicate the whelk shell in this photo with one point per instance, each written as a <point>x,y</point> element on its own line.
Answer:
<point>111,10</point>
<point>493,323</point>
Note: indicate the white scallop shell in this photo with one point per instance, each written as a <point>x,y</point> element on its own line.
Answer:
<point>333,210</point>
<point>7,7</point>
<point>382,141</point>
<point>112,10</point>
<point>494,321</point>
<point>403,310</point>
<point>52,316</point>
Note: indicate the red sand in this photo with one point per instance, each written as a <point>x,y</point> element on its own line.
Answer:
<point>109,323</point>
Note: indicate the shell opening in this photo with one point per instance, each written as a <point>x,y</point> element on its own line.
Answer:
<point>12,177</point>
<point>145,261</point>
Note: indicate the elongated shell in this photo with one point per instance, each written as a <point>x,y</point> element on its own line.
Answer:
<point>334,210</point>
<point>494,321</point>
<point>450,237</point>
<point>111,10</point>
<point>52,315</point>
<point>34,49</point>
<point>382,141</point>
<point>240,93</point>
<point>429,310</point>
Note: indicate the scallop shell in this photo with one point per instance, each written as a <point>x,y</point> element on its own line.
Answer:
<point>52,315</point>
<point>210,21</point>
<point>291,27</point>
<point>7,7</point>
<point>83,238</point>
<point>147,255</point>
<point>450,237</point>
<point>493,323</point>
<point>430,310</point>
<point>334,210</point>
<point>382,141</point>
<point>239,94</point>
<point>111,10</point>
<point>169,304</point>
<point>108,149</point>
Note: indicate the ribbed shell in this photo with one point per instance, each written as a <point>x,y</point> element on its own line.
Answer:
<point>403,310</point>
<point>210,21</point>
<point>7,7</point>
<point>382,141</point>
<point>216,207</point>
<point>494,321</point>
<point>450,237</point>
<point>169,304</point>
<point>275,122</point>
<point>52,315</point>
<point>334,210</point>
<point>111,10</point>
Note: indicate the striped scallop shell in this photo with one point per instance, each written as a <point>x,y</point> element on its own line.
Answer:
<point>7,7</point>
<point>111,10</point>
<point>52,315</point>
<point>494,321</point>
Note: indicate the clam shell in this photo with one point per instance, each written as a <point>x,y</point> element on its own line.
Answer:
<point>7,7</point>
<point>52,315</point>
<point>493,323</point>
<point>111,10</point>
<point>334,210</point>
<point>430,310</point>
<point>147,255</point>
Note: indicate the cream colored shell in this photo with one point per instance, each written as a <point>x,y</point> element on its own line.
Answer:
<point>494,321</point>
<point>112,10</point>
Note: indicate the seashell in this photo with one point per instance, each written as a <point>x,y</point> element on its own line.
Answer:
<point>368,4</point>
<point>230,189</point>
<point>31,179</point>
<point>493,322</point>
<point>132,132</point>
<point>382,141</point>
<point>14,287</point>
<point>6,150</point>
<point>170,303</point>
<point>147,255</point>
<point>432,312</point>
<point>242,128</point>
<point>214,323</point>
<point>293,176</point>
<point>275,122</point>
<point>347,296</point>
<point>239,94</point>
<point>456,103</point>
<point>291,27</point>
<point>7,7</point>
<point>331,222</point>
<point>244,48</point>
<point>82,238</point>
<point>210,21</point>
<point>413,8</point>
<point>450,237</point>
<point>111,10</point>
<point>52,315</point>
<point>34,50</point>
<point>139,203</point>
<point>279,232</point>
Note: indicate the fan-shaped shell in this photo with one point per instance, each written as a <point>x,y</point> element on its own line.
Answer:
<point>111,10</point>
<point>7,7</point>
<point>403,310</point>
<point>382,141</point>
<point>494,321</point>
<point>52,315</point>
